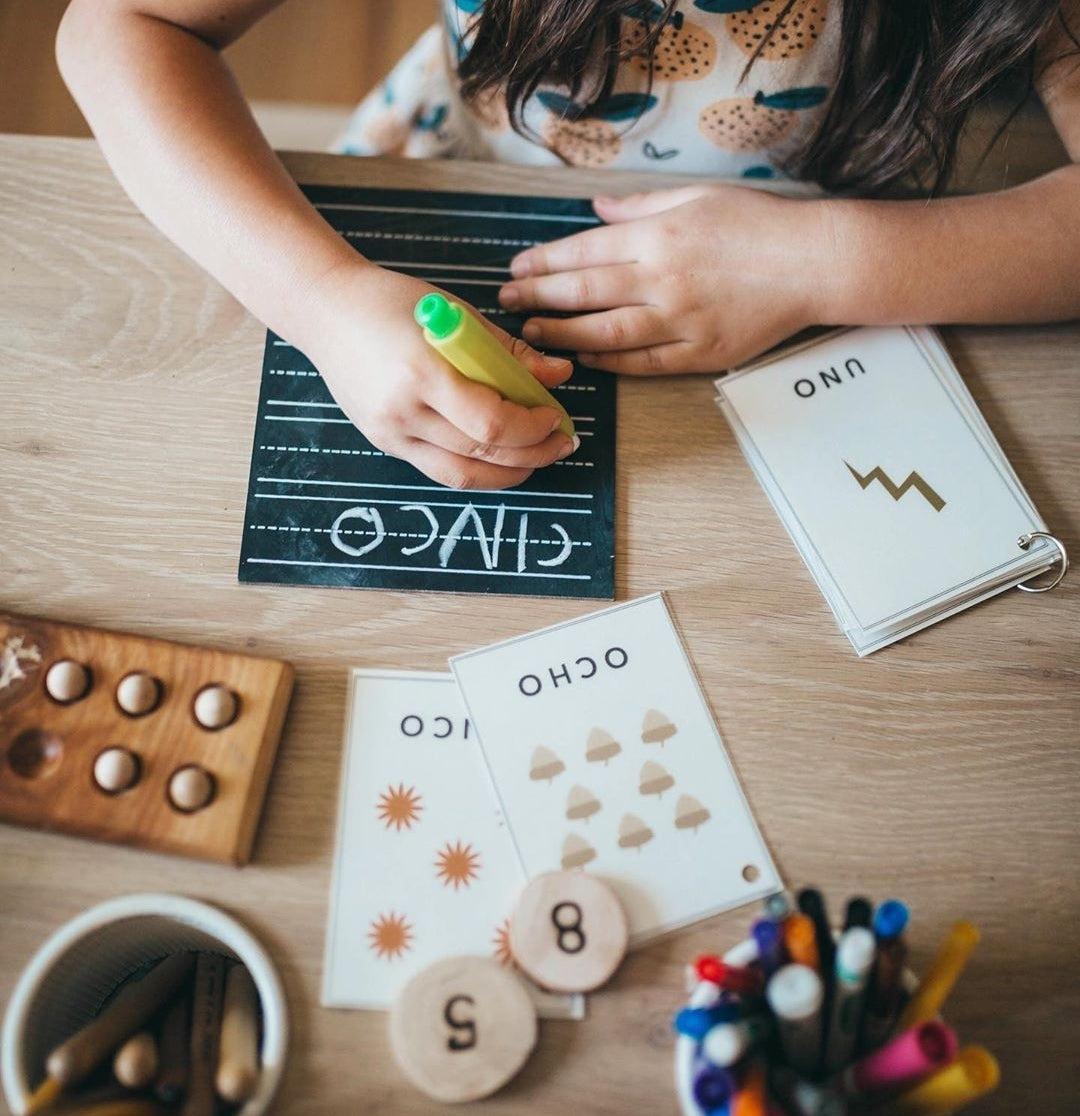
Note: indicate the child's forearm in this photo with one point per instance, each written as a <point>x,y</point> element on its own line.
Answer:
<point>1012,256</point>
<point>180,138</point>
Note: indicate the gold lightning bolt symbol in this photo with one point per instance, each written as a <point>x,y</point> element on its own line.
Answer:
<point>912,480</point>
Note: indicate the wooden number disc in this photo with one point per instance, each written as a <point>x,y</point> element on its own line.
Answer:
<point>568,931</point>
<point>462,1028</point>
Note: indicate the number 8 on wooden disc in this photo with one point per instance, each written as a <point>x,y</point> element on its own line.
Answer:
<point>462,1027</point>
<point>568,931</point>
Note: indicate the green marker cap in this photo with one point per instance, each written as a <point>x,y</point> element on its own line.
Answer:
<point>437,315</point>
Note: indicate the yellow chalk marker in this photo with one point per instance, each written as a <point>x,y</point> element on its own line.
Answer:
<point>939,979</point>
<point>972,1074</point>
<point>475,352</point>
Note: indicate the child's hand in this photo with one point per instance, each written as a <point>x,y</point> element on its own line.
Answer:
<point>689,280</point>
<point>409,402</point>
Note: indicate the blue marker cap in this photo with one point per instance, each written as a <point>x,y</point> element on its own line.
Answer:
<point>890,919</point>
<point>770,944</point>
<point>696,1023</point>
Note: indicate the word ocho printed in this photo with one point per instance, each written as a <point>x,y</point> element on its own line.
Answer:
<point>585,667</point>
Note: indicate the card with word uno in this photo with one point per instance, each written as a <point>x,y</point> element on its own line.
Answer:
<point>424,867</point>
<point>886,476</point>
<point>605,757</point>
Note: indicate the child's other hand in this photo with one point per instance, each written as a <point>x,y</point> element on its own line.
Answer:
<point>689,280</point>
<point>409,402</point>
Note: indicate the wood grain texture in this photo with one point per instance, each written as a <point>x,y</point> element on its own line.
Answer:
<point>48,749</point>
<point>943,770</point>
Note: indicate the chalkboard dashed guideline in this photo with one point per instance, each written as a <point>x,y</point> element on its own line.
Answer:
<point>325,507</point>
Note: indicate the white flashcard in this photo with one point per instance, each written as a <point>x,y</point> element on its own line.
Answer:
<point>605,757</point>
<point>884,472</point>
<point>424,867</point>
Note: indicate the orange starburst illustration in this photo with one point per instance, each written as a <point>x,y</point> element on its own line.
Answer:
<point>390,936</point>
<point>456,864</point>
<point>500,944</point>
<point>399,806</point>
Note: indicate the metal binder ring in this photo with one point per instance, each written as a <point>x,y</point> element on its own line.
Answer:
<point>1025,541</point>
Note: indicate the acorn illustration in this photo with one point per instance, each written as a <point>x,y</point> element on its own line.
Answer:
<point>654,779</point>
<point>684,51</point>
<point>545,764</point>
<point>589,139</point>
<point>601,746</point>
<point>633,832</point>
<point>581,804</point>
<point>576,852</point>
<point>753,123</point>
<point>656,728</point>
<point>750,22</point>
<point>689,813</point>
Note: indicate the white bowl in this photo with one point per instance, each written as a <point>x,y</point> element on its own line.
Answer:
<point>70,976</point>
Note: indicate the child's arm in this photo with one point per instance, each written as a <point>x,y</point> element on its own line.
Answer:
<point>149,77</point>
<point>703,278</point>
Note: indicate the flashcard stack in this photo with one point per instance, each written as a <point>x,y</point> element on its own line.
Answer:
<point>888,479</point>
<point>136,740</point>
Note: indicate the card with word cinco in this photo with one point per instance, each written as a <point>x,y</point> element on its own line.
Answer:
<point>605,756</point>
<point>325,507</point>
<point>424,867</point>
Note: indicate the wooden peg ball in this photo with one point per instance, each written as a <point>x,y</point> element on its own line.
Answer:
<point>138,693</point>
<point>191,788</point>
<point>462,1028</point>
<point>216,706</point>
<point>67,681</point>
<point>568,931</point>
<point>116,770</point>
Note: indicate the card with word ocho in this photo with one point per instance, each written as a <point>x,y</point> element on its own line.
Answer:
<point>605,757</point>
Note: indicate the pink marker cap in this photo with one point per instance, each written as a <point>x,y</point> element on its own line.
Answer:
<point>906,1058</point>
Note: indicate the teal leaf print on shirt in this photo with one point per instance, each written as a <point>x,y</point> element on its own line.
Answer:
<point>759,172</point>
<point>469,5</point>
<point>430,120</point>
<point>804,97</point>
<point>721,6</point>
<point>620,106</point>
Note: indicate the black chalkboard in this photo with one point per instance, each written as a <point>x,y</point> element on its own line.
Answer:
<point>326,508</point>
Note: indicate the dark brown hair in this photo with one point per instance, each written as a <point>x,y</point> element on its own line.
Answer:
<point>909,73</point>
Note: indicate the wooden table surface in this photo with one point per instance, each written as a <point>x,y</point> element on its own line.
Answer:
<point>943,770</point>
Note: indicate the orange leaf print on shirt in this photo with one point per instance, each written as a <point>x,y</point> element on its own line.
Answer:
<point>784,35</point>
<point>758,122</point>
<point>684,51</point>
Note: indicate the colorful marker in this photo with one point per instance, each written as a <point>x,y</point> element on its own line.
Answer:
<point>777,906</point>
<point>770,943</point>
<point>901,1062</point>
<point>740,980</point>
<point>713,1087</point>
<point>696,1023</point>
<point>800,941</point>
<point>972,1074</point>
<point>802,1097</point>
<point>859,912</point>
<point>726,1043</point>
<point>939,979</point>
<point>855,955</point>
<point>477,354</point>
<point>795,994</point>
<point>883,1001</point>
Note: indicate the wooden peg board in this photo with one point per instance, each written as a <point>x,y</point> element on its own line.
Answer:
<point>49,748</point>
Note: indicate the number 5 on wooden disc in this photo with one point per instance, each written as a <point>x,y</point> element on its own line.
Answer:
<point>568,931</point>
<point>462,1028</point>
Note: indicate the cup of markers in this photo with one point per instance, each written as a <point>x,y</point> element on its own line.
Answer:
<point>800,1019</point>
